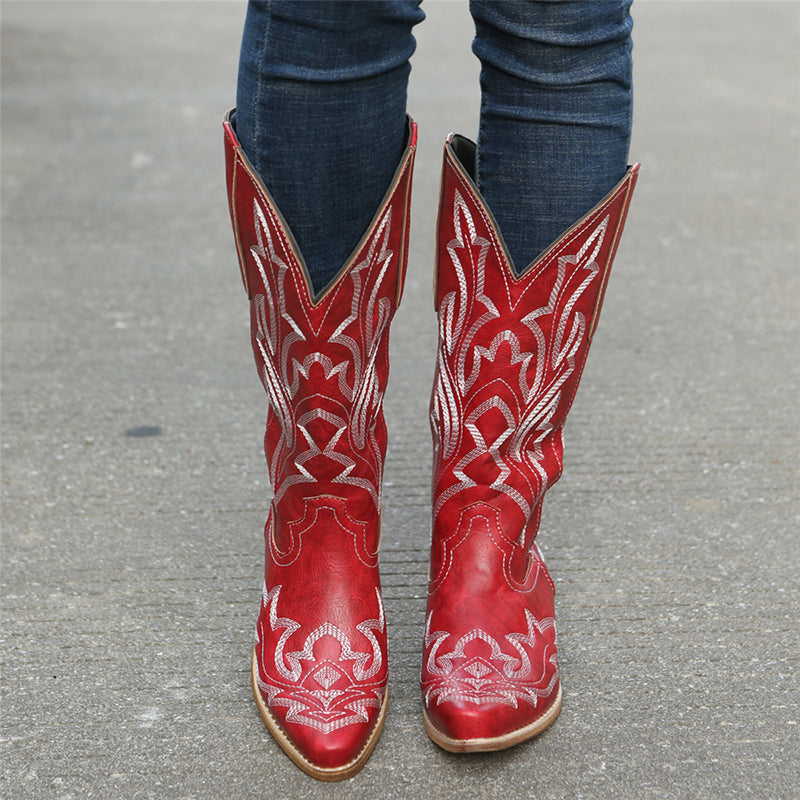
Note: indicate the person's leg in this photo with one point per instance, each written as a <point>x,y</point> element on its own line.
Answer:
<point>555,113</point>
<point>321,106</point>
<point>321,139</point>
<point>512,346</point>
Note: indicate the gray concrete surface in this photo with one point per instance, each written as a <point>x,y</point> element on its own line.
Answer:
<point>132,563</point>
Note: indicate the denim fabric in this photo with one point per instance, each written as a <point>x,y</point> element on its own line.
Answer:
<point>321,113</point>
<point>556,101</point>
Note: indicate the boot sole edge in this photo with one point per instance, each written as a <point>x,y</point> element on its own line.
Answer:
<point>489,744</point>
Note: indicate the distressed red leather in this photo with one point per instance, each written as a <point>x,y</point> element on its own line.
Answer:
<point>320,661</point>
<point>511,353</point>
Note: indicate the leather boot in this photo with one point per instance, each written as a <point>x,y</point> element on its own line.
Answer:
<point>511,352</point>
<point>319,665</point>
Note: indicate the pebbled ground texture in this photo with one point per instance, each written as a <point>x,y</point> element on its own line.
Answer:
<point>134,486</point>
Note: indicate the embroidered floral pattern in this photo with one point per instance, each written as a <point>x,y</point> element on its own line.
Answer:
<point>289,346</point>
<point>510,425</point>
<point>479,669</point>
<point>321,692</point>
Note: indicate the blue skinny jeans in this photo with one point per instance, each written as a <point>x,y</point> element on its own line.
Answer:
<point>321,105</point>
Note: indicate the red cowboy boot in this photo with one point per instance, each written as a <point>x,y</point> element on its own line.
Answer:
<point>319,665</point>
<point>511,352</point>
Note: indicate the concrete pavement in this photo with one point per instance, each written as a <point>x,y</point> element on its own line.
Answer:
<point>134,486</point>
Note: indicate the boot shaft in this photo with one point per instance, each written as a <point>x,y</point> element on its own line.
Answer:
<point>511,347</point>
<point>323,359</point>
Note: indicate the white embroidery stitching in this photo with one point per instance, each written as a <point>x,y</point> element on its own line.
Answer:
<point>362,333</point>
<point>325,695</point>
<point>498,678</point>
<point>529,424</point>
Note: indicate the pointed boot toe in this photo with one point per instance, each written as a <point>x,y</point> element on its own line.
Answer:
<point>337,746</point>
<point>463,727</point>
